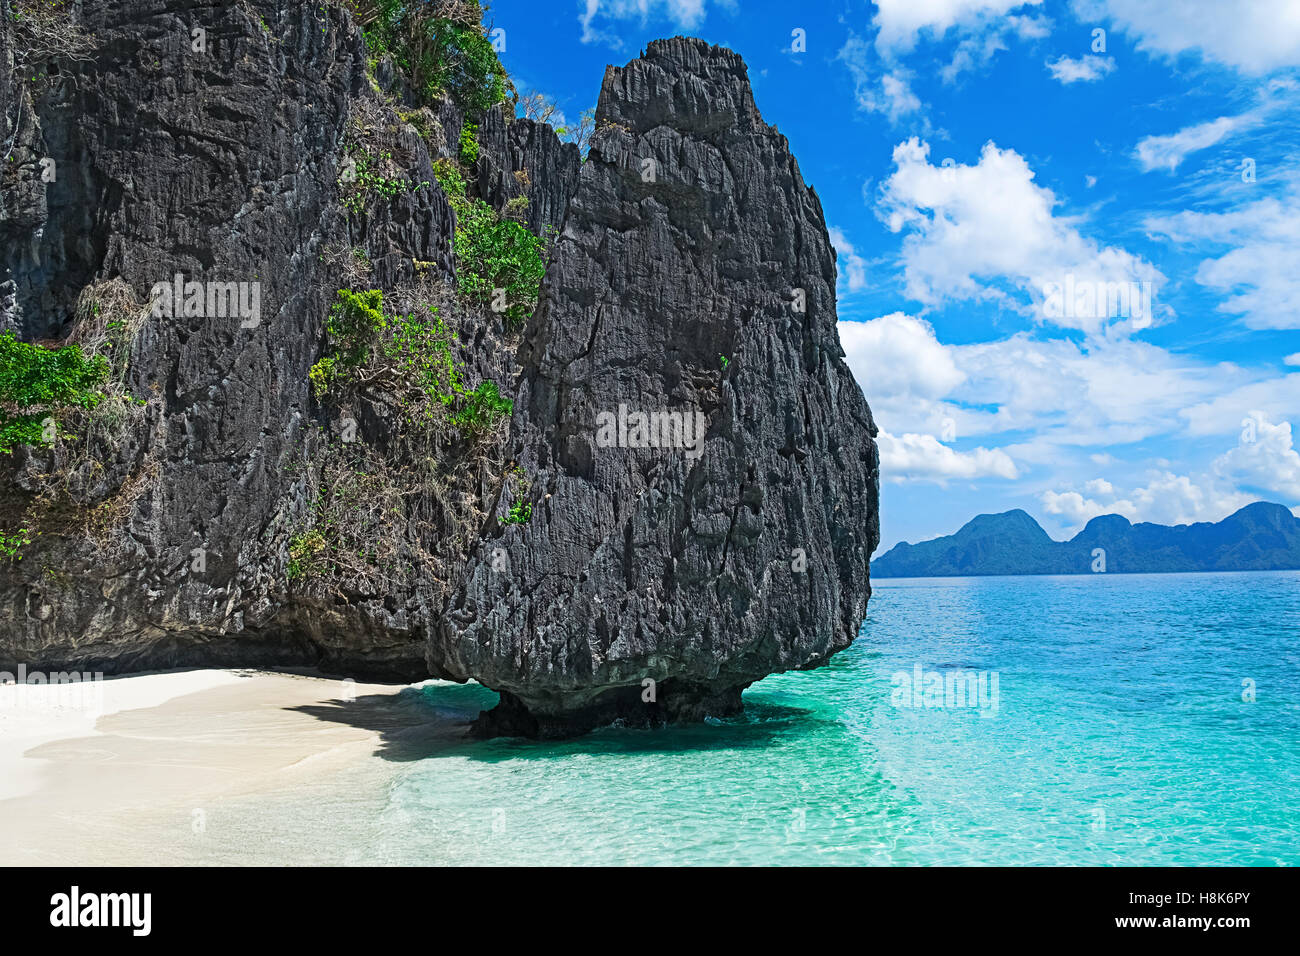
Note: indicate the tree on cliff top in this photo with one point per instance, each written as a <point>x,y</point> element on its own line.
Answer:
<point>439,45</point>
<point>543,109</point>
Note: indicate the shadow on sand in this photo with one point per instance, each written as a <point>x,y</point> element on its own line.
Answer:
<point>433,721</point>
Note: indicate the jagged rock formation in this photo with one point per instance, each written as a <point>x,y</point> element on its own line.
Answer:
<point>694,274</point>
<point>691,273</point>
<point>221,165</point>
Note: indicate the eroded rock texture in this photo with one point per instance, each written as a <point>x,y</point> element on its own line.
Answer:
<point>221,165</point>
<point>691,273</point>
<point>694,274</point>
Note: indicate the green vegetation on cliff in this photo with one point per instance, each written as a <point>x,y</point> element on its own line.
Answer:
<point>38,383</point>
<point>396,498</point>
<point>408,356</point>
<point>442,48</point>
<point>499,263</point>
<point>363,178</point>
<point>439,46</point>
<point>521,512</point>
<point>71,402</point>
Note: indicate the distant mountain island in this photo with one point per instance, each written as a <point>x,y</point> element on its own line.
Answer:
<point>1260,537</point>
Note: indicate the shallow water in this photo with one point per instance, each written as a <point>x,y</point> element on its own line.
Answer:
<point>1120,736</point>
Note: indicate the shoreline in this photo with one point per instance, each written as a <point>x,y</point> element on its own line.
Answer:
<point>140,775</point>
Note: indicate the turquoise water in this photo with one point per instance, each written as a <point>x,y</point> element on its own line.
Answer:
<point>1120,736</point>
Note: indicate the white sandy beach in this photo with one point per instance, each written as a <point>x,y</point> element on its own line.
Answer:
<point>154,777</point>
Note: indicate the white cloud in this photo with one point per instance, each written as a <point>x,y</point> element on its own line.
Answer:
<point>906,375</point>
<point>983,28</point>
<point>685,14</point>
<point>972,53</point>
<point>899,356</point>
<point>1086,69</point>
<point>1177,499</point>
<point>1074,404</point>
<point>1072,506</point>
<point>1224,412</point>
<point>901,22</point>
<point>899,100</point>
<point>969,227</point>
<point>1259,274</point>
<point>1292,359</point>
<point>1263,463</point>
<point>1055,397</point>
<point>852,267</point>
<point>1255,37</point>
<point>1029,27</point>
<point>1264,458</point>
<point>1166,499</point>
<point>924,458</point>
<point>1100,394</point>
<point>1166,152</point>
<point>878,88</point>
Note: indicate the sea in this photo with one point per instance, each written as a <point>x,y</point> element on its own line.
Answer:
<point>1147,719</point>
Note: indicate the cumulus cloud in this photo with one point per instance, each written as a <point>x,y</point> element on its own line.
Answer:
<point>907,375</point>
<point>1254,37</point>
<point>685,14</point>
<point>1073,507</point>
<point>1085,69</point>
<point>1166,499</point>
<point>981,28</point>
<point>900,23</point>
<point>1264,458</point>
<point>1221,413</point>
<point>1258,273</point>
<point>972,53</point>
<point>901,356</point>
<point>968,228</point>
<point>1101,393</point>
<point>1052,398</point>
<point>928,397</point>
<point>897,99</point>
<point>924,458</point>
<point>1264,463</point>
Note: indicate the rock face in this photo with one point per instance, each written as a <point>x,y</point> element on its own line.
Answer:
<point>694,277</point>
<point>691,280</point>
<point>220,165</point>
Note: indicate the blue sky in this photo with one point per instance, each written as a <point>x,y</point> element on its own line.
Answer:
<point>976,159</point>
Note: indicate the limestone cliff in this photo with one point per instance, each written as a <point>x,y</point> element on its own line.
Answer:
<point>682,499</point>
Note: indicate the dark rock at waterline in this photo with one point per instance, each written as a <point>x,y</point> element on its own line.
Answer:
<point>694,274</point>
<point>650,585</point>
